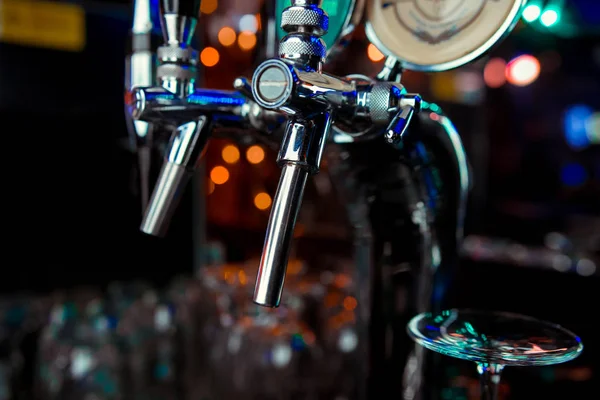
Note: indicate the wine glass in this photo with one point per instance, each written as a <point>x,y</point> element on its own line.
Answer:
<point>494,340</point>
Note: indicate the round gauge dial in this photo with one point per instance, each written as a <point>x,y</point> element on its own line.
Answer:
<point>437,35</point>
<point>343,14</point>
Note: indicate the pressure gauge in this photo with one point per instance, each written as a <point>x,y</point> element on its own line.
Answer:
<point>438,35</point>
<point>344,15</point>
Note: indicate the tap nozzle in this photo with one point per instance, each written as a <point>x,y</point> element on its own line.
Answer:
<point>185,148</point>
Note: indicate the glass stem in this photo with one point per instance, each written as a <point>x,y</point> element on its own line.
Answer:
<point>489,374</point>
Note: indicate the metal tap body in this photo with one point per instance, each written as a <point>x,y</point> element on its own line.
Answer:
<point>295,84</point>
<point>189,112</point>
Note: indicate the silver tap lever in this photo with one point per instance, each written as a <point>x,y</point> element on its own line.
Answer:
<point>185,148</point>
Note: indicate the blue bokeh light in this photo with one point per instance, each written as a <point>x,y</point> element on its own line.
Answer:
<point>573,175</point>
<point>575,125</point>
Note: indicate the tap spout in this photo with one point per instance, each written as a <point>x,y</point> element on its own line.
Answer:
<point>299,156</point>
<point>185,150</point>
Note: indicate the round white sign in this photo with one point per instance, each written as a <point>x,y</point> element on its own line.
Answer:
<point>437,35</point>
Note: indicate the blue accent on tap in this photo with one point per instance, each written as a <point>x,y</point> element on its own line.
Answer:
<point>216,98</point>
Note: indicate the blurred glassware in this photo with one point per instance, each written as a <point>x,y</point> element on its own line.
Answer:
<point>494,340</point>
<point>78,356</point>
<point>20,317</point>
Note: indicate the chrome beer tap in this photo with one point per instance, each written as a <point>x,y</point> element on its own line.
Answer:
<point>140,70</point>
<point>295,84</point>
<point>189,111</point>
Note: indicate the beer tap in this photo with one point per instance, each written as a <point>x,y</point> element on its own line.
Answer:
<point>296,85</point>
<point>140,70</point>
<point>189,111</point>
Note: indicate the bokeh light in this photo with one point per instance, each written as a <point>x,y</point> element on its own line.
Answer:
<point>249,23</point>
<point>592,128</point>
<point>255,154</point>
<point>523,70</point>
<point>575,122</point>
<point>549,17</point>
<point>209,57</point>
<point>573,175</point>
<point>208,6</point>
<point>531,12</point>
<point>494,72</point>
<point>246,40</point>
<point>230,154</point>
<point>227,36</point>
<point>219,175</point>
<point>374,54</point>
<point>262,201</point>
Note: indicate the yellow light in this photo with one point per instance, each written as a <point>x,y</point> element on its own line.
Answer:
<point>227,36</point>
<point>262,201</point>
<point>219,175</point>
<point>255,154</point>
<point>230,154</point>
<point>374,54</point>
<point>209,57</point>
<point>246,40</point>
<point>208,6</point>
<point>211,187</point>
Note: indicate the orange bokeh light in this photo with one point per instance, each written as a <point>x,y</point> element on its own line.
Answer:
<point>230,154</point>
<point>227,36</point>
<point>255,154</point>
<point>209,57</point>
<point>246,40</point>
<point>262,201</point>
<point>350,303</point>
<point>219,175</point>
<point>374,54</point>
<point>208,6</point>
